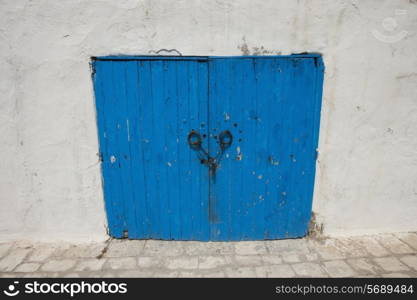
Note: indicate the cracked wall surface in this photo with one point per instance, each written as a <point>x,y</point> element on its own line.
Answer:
<point>50,179</point>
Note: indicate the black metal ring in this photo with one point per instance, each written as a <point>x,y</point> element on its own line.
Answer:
<point>225,139</point>
<point>194,139</point>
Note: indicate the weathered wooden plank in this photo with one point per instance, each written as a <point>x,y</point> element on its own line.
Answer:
<point>114,211</point>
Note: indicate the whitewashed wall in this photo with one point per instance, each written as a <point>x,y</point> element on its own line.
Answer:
<point>50,184</point>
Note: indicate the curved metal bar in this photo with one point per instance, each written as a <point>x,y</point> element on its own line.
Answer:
<point>195,142</point>
<point>225,139</point>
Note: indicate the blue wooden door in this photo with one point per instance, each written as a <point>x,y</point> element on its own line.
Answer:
<point>208,148</point>
<point>263,187</point>
<point>153,185</point>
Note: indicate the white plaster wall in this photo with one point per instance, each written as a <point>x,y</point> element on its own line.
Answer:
<point>50,186</point>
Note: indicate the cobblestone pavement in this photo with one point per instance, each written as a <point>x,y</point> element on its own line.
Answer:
<point>388,255</point>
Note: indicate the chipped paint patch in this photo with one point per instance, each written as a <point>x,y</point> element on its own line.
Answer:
<point>239,154</point>
<point>128,130</point>
<point>272,161</point>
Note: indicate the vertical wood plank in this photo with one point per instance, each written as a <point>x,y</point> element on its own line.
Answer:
<point>103,94</point>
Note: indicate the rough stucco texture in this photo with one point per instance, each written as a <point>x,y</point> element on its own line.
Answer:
<point>50,179</point>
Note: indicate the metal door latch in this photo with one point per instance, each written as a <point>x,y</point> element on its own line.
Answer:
<point>195,142</point>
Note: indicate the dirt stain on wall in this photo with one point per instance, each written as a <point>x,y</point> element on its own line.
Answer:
<point>255,50</point>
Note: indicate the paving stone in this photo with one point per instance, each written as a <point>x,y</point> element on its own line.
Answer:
<point>4,248</point>
<point>291,257</point>
<point>58,265</point>
<point>125,248</point>
<point>240,272</point>
<point>149,262</point>
<point>248,260</point>
<point>120,263</point>
<point>214,274</point>
<point>14,258</point>
<point>410,260</point>
<point>408,237</point>
<point>183,262</point>
<point>365,276</point>
<point>327,250</point>
<point>372,246</point>
<point>105,274</point>
<point>59,249</point>
<point>10,275</point>
<point>190,274</point>
<point>250,248</point>
<point>23,244</point>
<point>93,264</point>
<point>363,266</point>
<point>162,248</point>
<point>210,262</point>
<point>390,264</point>
<point>271,259</point>
<point>349,247</point>
<point>208,248</point>
<point>396,275</point>
<point>71,275</point>
<point>393,244</point>
<point>27,267</point>
<point>299,246</point>
<point>40,275</point>
<point>309,270</point>
<point>275,271</point>
<point>338,268</point>
<point>165,274</point>
<point>87,250</point>
<point>311,256</point>
<point>136,274</point>
<point>42,253</point>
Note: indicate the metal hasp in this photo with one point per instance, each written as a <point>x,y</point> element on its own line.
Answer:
<point>195,141</point>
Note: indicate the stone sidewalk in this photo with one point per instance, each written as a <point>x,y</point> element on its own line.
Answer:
<point>389,255</point>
